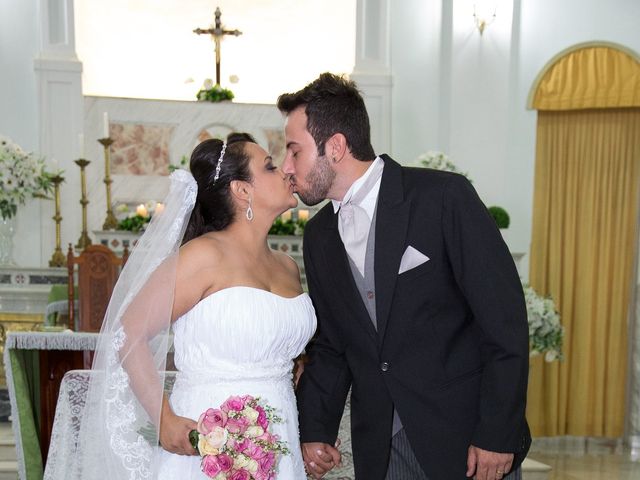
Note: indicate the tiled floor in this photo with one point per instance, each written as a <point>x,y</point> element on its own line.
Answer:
<point>594,459</point>
<point>570,459</point>
<point>590,466</point>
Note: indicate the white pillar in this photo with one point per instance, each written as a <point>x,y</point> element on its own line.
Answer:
<point>60,116</point>
<point>372,70</point>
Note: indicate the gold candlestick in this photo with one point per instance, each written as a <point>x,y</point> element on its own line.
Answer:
<point>84,240</point>
<point>110,223</point>
<point>57,259</point>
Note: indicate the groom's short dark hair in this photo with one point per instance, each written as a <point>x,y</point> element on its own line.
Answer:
<point>333,104</point>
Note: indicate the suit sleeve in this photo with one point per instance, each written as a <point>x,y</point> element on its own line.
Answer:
<point>326,380</point>
<point>486,274</point>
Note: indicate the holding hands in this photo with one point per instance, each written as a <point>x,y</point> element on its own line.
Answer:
<point>319,458</point>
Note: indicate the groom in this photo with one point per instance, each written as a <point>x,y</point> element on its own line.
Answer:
<point>420,308</point>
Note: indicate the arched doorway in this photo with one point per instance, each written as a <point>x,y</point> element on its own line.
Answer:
<point>585,234</point>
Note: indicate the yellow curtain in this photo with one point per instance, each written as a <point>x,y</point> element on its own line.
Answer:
<point>586,196</point>
<point>591,77</point>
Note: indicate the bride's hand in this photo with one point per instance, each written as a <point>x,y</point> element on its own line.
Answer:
<point>174,433</point>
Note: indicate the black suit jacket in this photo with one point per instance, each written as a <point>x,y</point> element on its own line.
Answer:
<point>451,349</point>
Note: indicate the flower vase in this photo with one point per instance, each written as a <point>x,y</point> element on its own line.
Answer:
<point>7,230</point>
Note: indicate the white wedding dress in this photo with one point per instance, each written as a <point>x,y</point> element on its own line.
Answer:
<point>239,341</point>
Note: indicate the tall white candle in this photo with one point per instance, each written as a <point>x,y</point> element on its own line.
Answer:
<point>105,125</point>
<point>81,145</point>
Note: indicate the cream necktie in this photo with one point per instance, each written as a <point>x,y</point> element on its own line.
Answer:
<point>355,223</point>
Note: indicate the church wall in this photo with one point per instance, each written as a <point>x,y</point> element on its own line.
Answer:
<point>18,41</point>
<point>465,94</point>
<point>19,38</point>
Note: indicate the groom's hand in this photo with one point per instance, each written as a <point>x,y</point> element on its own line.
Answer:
<point>487,465</point>
<point>319,458</point>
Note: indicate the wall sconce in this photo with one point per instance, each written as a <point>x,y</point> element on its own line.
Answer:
<point>485,17</point>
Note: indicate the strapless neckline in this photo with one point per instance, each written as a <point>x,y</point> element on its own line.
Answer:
<point>256,289</point>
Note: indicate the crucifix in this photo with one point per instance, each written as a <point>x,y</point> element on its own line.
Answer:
<point>217,32</point>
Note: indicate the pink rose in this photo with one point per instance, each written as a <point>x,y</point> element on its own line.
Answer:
<point>225,462</point>
<point>241,446</point>
<point>233,403</point>
<point>262,418</point>
<point>210,466</point>
<point>255,451</point>
<point>266,437</point>
<point>231,444</point>
<point>210,419</point>
<point>237,425</point>
<point>240,474</point>
<point>260,475</point>
<point>266,462</point>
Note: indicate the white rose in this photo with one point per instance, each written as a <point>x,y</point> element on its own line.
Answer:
<point>241,461</point>
<point>251,414</point>
<point>252,467</point>
<point>254,431</point>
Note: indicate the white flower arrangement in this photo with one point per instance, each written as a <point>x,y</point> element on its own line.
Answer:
<point>440,161</point>
<point>545,331</point>
<point>22,176</point>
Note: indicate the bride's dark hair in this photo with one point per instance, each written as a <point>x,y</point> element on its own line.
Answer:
<point>214,209</point>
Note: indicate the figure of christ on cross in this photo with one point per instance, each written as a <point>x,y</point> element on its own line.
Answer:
<point>217,32</point>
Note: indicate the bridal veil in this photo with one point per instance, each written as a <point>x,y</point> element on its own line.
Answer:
<point>118,436</point>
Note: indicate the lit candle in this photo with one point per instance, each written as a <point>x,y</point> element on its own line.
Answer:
<point>286,216</point>
<point>303,214</point>
<point>81,145</point>
<point>105,125</point>
<point>141,210</point>
<point>159,208</point>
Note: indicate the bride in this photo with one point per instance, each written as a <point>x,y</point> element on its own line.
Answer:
<point>236,309</point>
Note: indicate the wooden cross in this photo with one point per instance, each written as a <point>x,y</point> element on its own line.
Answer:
<point>217,32</point>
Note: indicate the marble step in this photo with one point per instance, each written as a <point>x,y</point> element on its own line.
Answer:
<point>8,470</point>
<point>7,452</point>
<point>534,470</point>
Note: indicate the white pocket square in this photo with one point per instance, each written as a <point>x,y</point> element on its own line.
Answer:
<point>411,258</point>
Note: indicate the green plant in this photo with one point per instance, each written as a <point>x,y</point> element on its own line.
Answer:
<point>287,227</point>
<point>500,215</point>
<point>184,161</point>
<point>22,175</point>
<point>136,221</point>
<point>133,224</point>
<point>214,94</point>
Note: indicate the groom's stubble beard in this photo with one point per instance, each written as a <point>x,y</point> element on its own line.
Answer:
<point>319,181</point>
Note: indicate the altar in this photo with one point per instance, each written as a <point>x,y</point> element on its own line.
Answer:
<point>35,364</point>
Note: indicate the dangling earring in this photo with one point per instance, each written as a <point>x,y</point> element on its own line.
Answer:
<point>249,213</point>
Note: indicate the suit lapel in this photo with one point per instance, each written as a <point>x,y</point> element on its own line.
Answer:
<point>391,231</point>
<point>341,276</point>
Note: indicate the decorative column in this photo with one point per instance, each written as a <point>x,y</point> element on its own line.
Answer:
<point>372,70</point>
<point>60,111</point>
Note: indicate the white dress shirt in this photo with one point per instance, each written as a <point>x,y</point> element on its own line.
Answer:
<point>368,204</point>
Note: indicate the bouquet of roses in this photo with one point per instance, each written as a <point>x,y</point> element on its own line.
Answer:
<point>234,440</point>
